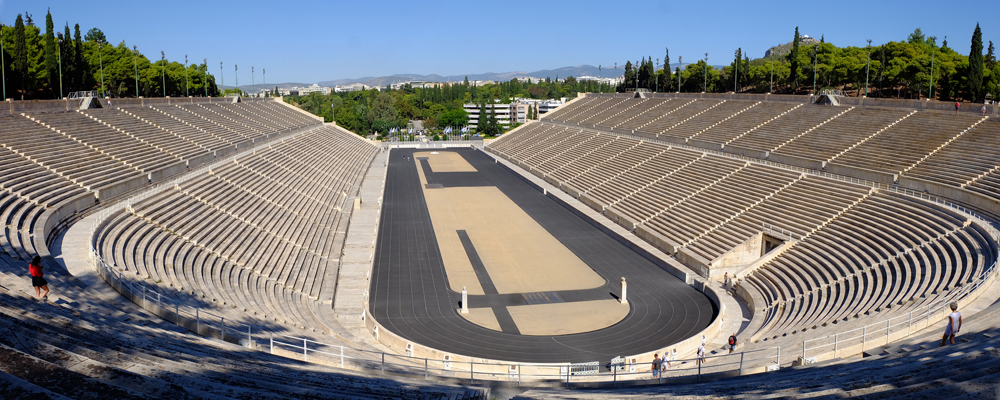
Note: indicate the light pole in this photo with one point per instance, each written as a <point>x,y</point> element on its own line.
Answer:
<point>206,76</point>
<point>815,57</point>
<point>59,54</point>
<point>656,85</point>
<point>252,78</point>
<point>736,74</point>
<point>680,61</point>
<point>930,88</point>
<point>163,71</point>
<point>222,77</point>
<point>135,63</point>
<point>868,65</point>
<point>705,85</point>
<point>100,57</point>
<point>187,82</point>
<point>263,71</point>
<point>237,67</point>
<point>3,71</point>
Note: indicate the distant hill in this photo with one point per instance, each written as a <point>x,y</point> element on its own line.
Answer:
<point>783,49</point>
<point>561,73</point>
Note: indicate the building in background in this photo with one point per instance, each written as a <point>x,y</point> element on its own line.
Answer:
<point>502,112</point>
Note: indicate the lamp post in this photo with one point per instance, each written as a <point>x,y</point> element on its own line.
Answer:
<point>222,77</point>
<point>3,71</point>
<point>263,71</point>
<point>252,78</point>
<point>135,63</point>
<point>163,71</point>
<point>100,57</point>
<point>868,65</point>
<point>59,54</point>
<point>930,87</point>
<point>656,84</point>
<point>736,74</point>
<point>206,76</point>
<point>815,57</point>
<point>237,73</point>
<point>680,61</point>
<point>187,82</point>
<point>704,87</point>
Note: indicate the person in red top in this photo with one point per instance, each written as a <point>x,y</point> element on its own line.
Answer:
<point>37,279</point>
<point>957,106</point>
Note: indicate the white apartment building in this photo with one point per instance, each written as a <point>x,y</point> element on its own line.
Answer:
<point>502,112</point>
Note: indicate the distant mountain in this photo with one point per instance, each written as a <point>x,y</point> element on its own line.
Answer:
<point>561,73</point>
<point>784,49</point>
<point>270,86</point>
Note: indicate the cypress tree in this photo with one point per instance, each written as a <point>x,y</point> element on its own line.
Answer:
<point>991,58</point>
<point>666,72</point>
<point>69,66</point>
<point>20,63</point>
<point>793,59</point>
<point>976,66</point>
<point>81,64</point>
<point>51,63</point>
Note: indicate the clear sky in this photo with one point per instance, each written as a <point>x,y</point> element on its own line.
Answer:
<point>310,41</point>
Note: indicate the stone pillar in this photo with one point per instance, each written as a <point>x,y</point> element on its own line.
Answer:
<point>465,301</point>
<point>624,300</point>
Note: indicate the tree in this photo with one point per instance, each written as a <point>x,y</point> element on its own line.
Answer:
<point>454,118</point>
<point>81,77</point>
<point>68,49</point>
<point>51,63</point>
<point>382,115</point>
<point>916,37</point>
<point>991,59</point>
<point>668,80</point>
<point>975,81</point>
<point>793,59</point>
<point>20,63</point>
<point>94,34</point>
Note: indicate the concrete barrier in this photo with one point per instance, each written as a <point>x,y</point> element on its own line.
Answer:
<point>122,187</point>
<point>168,171</point>
<point>858,172</point>
<point>953,193</point>
<point>796,161</point>
<point>196,161</point>
<point>705,145</point>
<point>697,263</point>
<point>761,154</point>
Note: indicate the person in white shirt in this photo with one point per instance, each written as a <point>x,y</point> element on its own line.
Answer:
<point>701,354</point>
<point>954,325</point>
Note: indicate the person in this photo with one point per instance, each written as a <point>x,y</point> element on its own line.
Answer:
<point>725,279</point>
<point>667,358</point>
<point>673,356</point>
<point>656,366</point>
<point>37,278</point>
<point>984,110</point>
<point>957,106</point>
<point>701,354</point>
<point>732,342</point>
<point>954,325</point>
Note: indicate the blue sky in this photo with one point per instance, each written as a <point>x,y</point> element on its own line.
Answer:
<point>310,41</point>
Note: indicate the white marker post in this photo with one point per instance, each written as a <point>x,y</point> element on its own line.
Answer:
<point>465,301</point>
<point>624,300</point>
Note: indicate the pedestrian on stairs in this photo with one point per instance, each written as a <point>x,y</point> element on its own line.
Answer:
<point>732,343</point>
<point>954,324</point>
<point>37,279</point>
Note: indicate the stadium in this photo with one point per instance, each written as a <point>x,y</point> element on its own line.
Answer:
<point>240,246</point>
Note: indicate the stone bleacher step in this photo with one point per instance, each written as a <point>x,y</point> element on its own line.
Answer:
<point>687,139</point>
<point>664,115</point>
<point>811,129</point>
<point>17,388</point>
<point>870,137</point>
<point>696,192</point>
<point>691,117</point>
<point>762,124</point>
<point>943,145</point>
<point>664,176</point>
